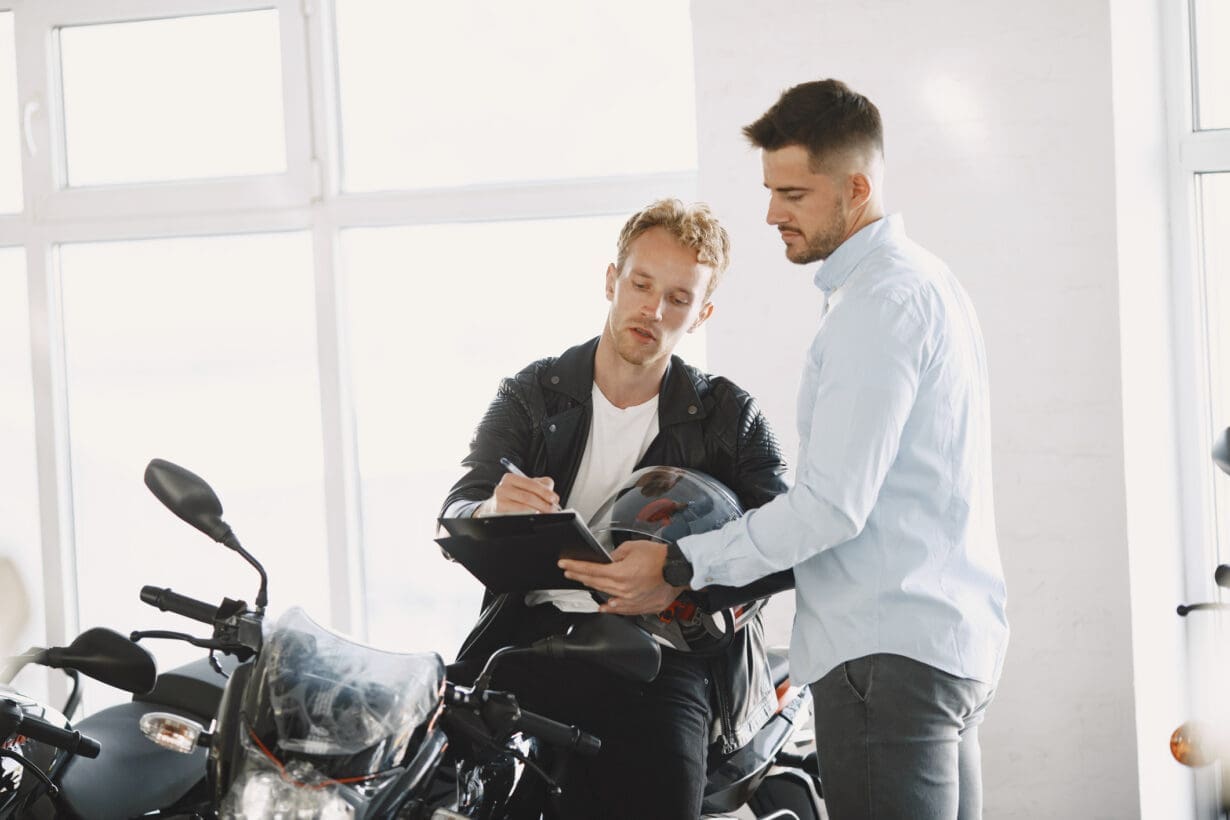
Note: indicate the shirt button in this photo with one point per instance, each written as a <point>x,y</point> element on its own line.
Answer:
<point>691,409</point>
<point>555,380</point>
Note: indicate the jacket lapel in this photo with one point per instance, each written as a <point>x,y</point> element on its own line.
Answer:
<point>679,442</point>
<point>568,385</point>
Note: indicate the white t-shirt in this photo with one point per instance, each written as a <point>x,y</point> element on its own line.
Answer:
<point>618,439</point>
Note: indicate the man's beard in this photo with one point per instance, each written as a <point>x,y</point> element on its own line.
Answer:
<point>821,245</point>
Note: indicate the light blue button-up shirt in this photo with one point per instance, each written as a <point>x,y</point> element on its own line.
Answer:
<point>890,524</point>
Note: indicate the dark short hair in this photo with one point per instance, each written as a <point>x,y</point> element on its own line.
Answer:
<point>824,116</point>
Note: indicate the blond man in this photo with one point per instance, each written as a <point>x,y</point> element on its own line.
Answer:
<point>579,424</point>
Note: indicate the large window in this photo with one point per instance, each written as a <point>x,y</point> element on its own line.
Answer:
<point>20,612</point>
<point>465,101</point>
<point>1199,85</point>
<point>1201,206</point>
<point>293,247</point>
<point>1213,256</point>
<point>196,116</point>
<point>10,159</point>
<point>1211,63</point>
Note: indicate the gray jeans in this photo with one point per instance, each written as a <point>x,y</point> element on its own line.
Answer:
<point>899,739</point>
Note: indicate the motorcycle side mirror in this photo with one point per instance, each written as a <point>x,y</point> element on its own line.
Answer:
<point>186,494</point>
<point>1221,451</point>
<point>106,656</point>
<point>611,641</point>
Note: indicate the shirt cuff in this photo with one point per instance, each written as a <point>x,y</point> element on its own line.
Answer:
<point>701,551</point>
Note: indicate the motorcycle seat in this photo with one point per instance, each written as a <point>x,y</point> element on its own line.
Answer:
<point>193,688</point>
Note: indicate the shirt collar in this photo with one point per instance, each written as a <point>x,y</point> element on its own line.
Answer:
<point>835,271</point>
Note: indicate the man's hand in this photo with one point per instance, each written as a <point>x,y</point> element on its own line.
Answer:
<point>634,581</point>
<point>518,494</point>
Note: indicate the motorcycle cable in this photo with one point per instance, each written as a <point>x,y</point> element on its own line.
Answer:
<point>489,741</point>
<point>53,791</point>
<point>74,697</point>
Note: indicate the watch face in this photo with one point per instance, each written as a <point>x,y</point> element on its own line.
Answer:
<point>677,572</point>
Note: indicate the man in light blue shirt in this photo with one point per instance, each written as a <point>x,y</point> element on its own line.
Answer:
<point>890,524</point>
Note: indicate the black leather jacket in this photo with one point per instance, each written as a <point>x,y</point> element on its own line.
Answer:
<point>540,419</point>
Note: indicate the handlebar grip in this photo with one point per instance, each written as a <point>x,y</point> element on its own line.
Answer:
<point>168,601</point>
<point>559,734</point>
<point>69,740</point>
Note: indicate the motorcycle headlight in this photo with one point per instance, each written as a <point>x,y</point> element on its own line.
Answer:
<point>267,795</point>
<point>259,795</point>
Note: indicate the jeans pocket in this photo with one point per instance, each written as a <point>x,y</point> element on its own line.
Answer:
<point>858,676</point>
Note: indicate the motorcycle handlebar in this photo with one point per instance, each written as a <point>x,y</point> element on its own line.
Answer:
<point>168,601</point>
<point>558,734</point>
<point>66,739</point>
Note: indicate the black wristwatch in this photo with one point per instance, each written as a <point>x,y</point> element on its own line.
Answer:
<point>677,571</point>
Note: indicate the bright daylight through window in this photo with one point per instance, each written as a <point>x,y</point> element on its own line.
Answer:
<point>19,533</point>
<point>1211,34</point>
<point>10,157</point>
<point>195,117</point>
<point>459,102</point>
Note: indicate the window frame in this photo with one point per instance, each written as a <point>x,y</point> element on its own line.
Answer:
<point>1192,153</point>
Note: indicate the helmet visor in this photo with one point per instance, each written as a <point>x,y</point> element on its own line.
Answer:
<point>663,504</point>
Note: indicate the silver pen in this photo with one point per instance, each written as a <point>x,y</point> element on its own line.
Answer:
<point>515,470</point>
<point>512,468</point>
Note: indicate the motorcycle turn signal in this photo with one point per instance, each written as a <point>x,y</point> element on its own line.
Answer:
<point>1195,744</point>
<point>173,732</point>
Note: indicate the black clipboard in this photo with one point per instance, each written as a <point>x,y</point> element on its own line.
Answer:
<point>518,553</point>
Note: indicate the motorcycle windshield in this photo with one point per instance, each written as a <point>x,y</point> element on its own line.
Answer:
<point>337,700</point>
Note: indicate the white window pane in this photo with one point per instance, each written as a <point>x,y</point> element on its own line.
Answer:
<point>1215,253</point>
<point>201,352</point>
<point>10,151</point>
<point>183,98</point>
<point>473,92</point>
<point>431,335</point>
<point>19,527</point>
<point>1211,23</point>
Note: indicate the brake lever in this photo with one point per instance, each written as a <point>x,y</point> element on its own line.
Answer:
<point>212,644</point>
<point>1183,609</point>
<point>137,635</point>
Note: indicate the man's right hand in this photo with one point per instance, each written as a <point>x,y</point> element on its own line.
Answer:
<point>516,494</point>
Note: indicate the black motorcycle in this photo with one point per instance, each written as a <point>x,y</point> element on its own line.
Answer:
<point>117,774</point>
<point>1195,743</point>
<point>38,744</point>
<point>314,724</point>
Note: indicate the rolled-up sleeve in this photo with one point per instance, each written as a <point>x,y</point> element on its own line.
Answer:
<point>858,389</point>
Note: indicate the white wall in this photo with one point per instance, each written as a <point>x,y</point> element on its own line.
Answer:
<point>1000,141</point>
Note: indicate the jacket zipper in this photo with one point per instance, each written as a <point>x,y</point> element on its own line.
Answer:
<point>725,719</point>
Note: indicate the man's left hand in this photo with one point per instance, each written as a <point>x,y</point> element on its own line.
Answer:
<point>634,581</point>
